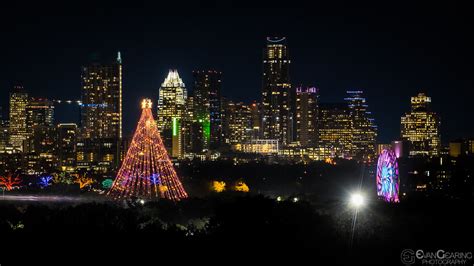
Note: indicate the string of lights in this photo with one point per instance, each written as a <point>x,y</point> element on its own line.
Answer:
<point>147,171</point>
<point>78,102</point>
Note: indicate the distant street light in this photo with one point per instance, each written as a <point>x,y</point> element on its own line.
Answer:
<point>357,200</point>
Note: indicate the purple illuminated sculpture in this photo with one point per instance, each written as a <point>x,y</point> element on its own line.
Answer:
<point>388,180</point>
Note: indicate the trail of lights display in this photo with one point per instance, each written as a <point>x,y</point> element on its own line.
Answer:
<point>83,181</point>
<point>147,171</point>
<point>107,183</point>
<point>241,186</point>
<point>218,186</point>
<point>45,181</point>
<point>388,180</point>
<point>9,182</point>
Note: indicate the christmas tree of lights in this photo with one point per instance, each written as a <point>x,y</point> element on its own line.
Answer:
<point>147,171</point>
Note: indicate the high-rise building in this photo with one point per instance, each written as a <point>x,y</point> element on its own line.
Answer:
<point>207,106</point>
<point>347,129</point>
<point>171,113</point>
<point>237,123</point>
<point>276,94</point>
<point>18,102</point>
<point>66,146</point>
<point>364,130</point>
<point>101,116</point>
<point>40,144</point>
<point>4,135</point>
<point>39,128</point>
<point>457,148</point>
<point>420,127</point>
<point>192,134</point>
<point>335,129</point>
<point>40,151</point>
<point>39,113</point>
<point>307,116</point>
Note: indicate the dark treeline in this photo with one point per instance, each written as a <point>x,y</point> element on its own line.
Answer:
<point>273,179</point>
<point>440,177</point>
<point>245,224</point>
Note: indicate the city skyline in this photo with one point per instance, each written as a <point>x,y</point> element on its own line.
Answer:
<point>388,71</point>
<point>128,129</point>
<point>337,130</point>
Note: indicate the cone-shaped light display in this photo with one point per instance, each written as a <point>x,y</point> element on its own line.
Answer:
<point>147,171</point>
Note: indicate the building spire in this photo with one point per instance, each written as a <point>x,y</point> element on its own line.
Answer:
<point>119,58</point>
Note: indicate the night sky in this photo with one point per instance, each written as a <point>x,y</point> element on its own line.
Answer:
<point>390,51</point>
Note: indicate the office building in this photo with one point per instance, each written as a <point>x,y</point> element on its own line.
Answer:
<point>207,106</point>
<point>307,116</point>
<point>101,114</point>
<point>364,130</point>
<point>18,101</point>
<point>421,128</point>
<point>172,112</point>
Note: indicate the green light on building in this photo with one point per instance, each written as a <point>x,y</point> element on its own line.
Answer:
<point>175,126</point>
<point>206,130</point>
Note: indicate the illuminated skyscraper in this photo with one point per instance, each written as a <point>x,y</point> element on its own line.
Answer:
<point>420,127</point>
<point>18,101</point>
<point>101,116</point>
<point>364,130</point>
<point>348,129</point>
<point>40,144</point>
<point>307,116</point>
<point>39,126</point>
<point>207,106</point>
<point>237,123</point>
<point>335,129</point>
<point>171,113</point>
<point>39,113</point>
<point>276,98</point>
